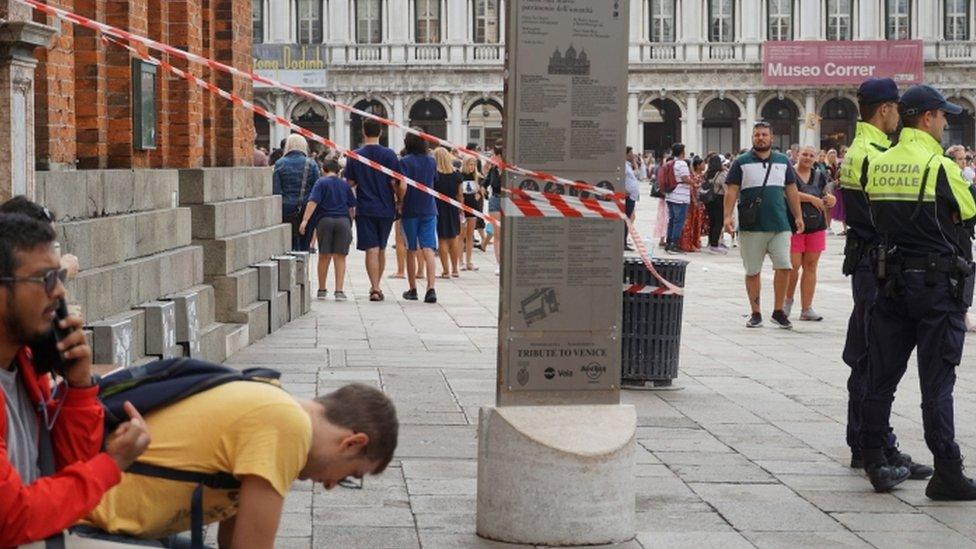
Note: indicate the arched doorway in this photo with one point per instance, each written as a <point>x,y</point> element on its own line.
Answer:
<point>314,118</point>
<point>430,116</point>
<point>662,125</point>
<point>262,132</point>
<point>962,127</point>
<point>784,120</point>
<point>371,106</point>
<point>837,119</point>
<point>720,127</point>
<point>484,123</point>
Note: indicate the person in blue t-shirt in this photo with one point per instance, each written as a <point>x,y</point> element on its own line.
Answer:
<point>419,215</point>
<point>333,204</point>
<point>377,195</point>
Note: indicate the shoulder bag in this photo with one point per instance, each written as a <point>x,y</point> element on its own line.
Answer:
<point>749,211</point>
<point>814,219</point>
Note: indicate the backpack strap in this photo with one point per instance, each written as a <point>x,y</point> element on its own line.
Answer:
<point>921,190</point>
<point>45,463</point>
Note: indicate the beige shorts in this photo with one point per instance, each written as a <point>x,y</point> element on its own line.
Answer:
<point>754,246</point>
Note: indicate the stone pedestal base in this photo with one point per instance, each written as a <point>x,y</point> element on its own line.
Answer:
<point>557,475</point>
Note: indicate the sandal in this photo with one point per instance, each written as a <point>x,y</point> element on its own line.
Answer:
<point>376,295</point>
<point>455,275</point>
<point>471,267</point>
<point>397,275</point>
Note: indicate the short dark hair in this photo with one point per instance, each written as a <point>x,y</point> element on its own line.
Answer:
<point>910,120</point>
<point>20,233</point>
<point>22,205</point>
<point>677,149</point>
<point>414,144</point>
<point>868,110</point>
<point>372,127</point>
<point>331,166</point>
<point>364,409</point>
<point>630,150</point>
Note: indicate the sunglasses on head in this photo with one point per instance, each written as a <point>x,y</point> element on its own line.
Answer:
<point>49,279</point>
<point>761,124</point>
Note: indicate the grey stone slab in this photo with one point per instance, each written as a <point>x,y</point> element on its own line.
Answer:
<point>693,540</point>
<point>278,310</point>
<point>889,522</point>
<point>188,320</point>
<point>766,507</point>
<point>679,440</point>
<point>222,219</point>
<point>912,540</point>
<point>287,272</point>
<point>119,340</point>
<point>867,502</point>
<point>444,540</point>
<point>206,185</point>
<point>359,537</point>
<point>160,319</point>
<point>388,516</point>
<point>213,342</point>
<point>267,279</point>
<point>234,291</point>
<point>232,253</point>
<point>83,194</point>
<point>813,540</point>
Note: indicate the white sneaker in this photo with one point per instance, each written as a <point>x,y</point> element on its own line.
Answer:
<point>498,271</point>
<point>787,307</point>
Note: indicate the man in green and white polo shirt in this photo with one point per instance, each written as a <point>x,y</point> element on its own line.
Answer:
<point>770,234</point>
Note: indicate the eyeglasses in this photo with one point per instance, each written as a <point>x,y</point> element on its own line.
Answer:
<point>761,124</point>
<point>49,279</point>
<point>352,483</point>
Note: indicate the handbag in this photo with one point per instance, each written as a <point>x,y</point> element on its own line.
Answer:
<point>295,217</point>
<point>749,211</point>
<point>814,219</point>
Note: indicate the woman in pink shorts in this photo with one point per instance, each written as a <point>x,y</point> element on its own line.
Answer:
<point>805,248</point>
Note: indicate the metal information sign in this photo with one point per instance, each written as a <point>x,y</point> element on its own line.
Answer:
<point>560,309</point>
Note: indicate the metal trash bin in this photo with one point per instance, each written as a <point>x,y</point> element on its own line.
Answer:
<point>651,327</point>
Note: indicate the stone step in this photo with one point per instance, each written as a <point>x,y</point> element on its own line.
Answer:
<point>213,343</point>
<point>188,322</point>
<point>86,194</point>
<point>207,185</point>
<point>278,310</point>
<point>234,292</point>
<point>236,337</point>
<point>223,219</point>
<point>107,240</point>
<point>256,316</point>
<point>295,303</point>
<point>114,289</point>
<point>160,338</point>
<point>226,255</point>
<point>119,340</point>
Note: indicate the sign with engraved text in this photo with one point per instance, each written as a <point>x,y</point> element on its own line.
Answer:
<point>566,86</point>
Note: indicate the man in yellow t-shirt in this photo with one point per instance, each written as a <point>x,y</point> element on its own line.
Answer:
<point>264,437</point>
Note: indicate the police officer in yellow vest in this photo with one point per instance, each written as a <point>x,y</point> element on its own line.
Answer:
<point>878,104</point>
<point>924,212</point>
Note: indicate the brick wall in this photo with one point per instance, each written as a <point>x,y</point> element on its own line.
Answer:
<point>84,88</point>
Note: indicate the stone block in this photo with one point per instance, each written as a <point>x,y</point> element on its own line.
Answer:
<point>213,342</point>
<point>278,310</point>
<point>234,292</point>
<point>119,340</point>
<point>107,240</point>
<point>571,458</point>
<point>161,329</point>
<point>287,272</point>
<point>303,273</point>
<point>112,289</point>
<point>206,303</point>
<point>295,303</point>
<point>226,255</point>
<point>223,219</point>
<point>86,194</point>
<point>307,291</point>
<point>267,279</point>
<point>206,185</point>
<point>236,337</point>
<point>257,318</point>
<point>187,308</point>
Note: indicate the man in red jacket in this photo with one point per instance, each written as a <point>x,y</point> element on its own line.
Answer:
<point>34,507</point>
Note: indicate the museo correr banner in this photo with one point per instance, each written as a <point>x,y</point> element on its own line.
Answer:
<point>820,63</point>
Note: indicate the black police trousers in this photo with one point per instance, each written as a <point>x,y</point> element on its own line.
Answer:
<point>928,318</point>
<point>864,288</point>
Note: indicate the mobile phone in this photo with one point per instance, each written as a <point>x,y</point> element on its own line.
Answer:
<point>47,358</point>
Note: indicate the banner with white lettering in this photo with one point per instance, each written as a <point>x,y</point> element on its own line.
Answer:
<point>818,63</point>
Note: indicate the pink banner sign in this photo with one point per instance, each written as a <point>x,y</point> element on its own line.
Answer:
<point>819,63</point>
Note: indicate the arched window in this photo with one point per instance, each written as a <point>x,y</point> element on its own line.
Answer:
<point>257,21</point>
<point>369,21</point>
<point>309,21</point>
<point>661,23</point>
<point>780,20</point>
<point>957,20</point>
<point>486,21</point>
<point>840,13</point>
<point>898,19</point>
<point>721,20</point>
<point>427,16</point>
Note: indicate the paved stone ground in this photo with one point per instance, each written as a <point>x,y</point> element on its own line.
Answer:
<point>749,452</point>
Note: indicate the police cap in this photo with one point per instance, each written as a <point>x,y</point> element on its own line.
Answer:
<point>921,98</point>
<point>877,90</point>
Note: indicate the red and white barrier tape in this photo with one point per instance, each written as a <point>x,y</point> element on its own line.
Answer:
<point>254,77</point>
<point>634,289</point>
<point>591,209</point>
<point>522,203</point>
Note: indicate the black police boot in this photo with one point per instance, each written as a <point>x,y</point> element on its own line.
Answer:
<point>949,483</point>
<point>857,462</point>
<point>883,476</point>
<point>917,470</point>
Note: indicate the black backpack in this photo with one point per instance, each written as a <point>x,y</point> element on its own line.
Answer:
<point>159,384</point>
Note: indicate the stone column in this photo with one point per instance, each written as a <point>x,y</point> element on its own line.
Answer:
<point>278,132</point>
<point>690,36</point>
<point>396,134</point>
<point>339,18</point>
<point>692,128</point>
<point>751,29</point>
<point>457,30</point>
<point>633,122</point>
<point>746,134</point>
<point>19,35</point>
<point>341,126</point>
<point>456,132</point>
<point>811,20</point>
<point>398,24</point>
<point>811,135</point>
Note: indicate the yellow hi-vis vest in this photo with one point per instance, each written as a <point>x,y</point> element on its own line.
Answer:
<point>869,142</point>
